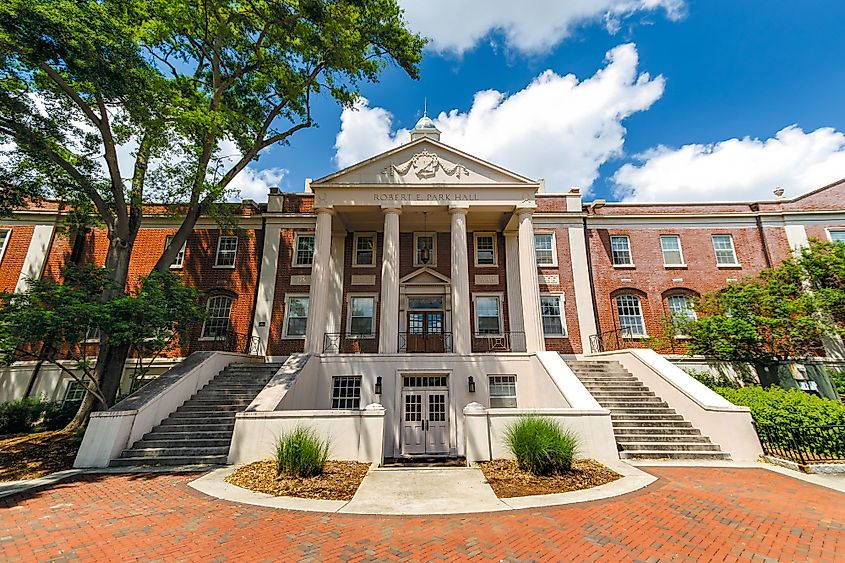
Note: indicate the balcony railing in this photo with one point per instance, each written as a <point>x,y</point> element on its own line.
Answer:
<point>228,341</point>
<point>504,342</point>
<point>343,343</point>
<point>434,343</point>
<point>612,340</point>
<point>803,444</point>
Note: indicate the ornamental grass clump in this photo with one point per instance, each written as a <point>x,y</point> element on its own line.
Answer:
<point>540,445</point>
<point>301,453</point>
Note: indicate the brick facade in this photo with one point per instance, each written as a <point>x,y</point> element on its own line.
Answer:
<point>14,256</point>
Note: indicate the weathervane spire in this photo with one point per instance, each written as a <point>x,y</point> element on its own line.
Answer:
<point>425,106</point>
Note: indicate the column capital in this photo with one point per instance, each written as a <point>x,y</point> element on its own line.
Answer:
<point>461,208</point>
<point>388,209</point>
<point>327,210</point>
<point>525,209</point>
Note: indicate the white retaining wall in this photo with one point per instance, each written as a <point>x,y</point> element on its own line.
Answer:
<point>726,424</point>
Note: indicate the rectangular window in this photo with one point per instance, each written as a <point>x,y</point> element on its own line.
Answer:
<point>671,247</point>
<point>365,250</point>
<point>620,249</point>
<point>297,317</point>
<point>544,248</point>
<point>485,249</point>
<point>487,317</point>
<point>227,247</point>
<point>361,315</point>
<point>217,317</point>
<point>502,391</point>
<point>681,310</point>
<point>630,315</point>
<point>5,235</point>
<point>835,236</point>
<point>74,392</point>
<point>179,261</point>
<point>551,311</point>
<point>346,392</point>
<point>425,249</point>
<point>723,246</point>
<point>304,252</point>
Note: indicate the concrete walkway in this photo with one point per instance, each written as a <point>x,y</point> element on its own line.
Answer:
<point>452,490</point>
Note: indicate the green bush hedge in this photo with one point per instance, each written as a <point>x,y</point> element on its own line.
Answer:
<point>301,452</point>
<point>31,414</point>
<point>540,445</point>
<point>782,407</point>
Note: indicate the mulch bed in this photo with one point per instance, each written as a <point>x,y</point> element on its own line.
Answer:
<point>508,480</point>
<point>339,481</point>
<point>27,456</point>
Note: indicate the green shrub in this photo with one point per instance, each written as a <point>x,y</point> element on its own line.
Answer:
<point>301,452</point>
<point>838,378</point>
<point>20,416</point>
<point>540,445</point>
<point>57,414</point>
<point>711,381</point>
<point>782,407</point>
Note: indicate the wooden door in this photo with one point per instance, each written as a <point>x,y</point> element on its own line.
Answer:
<point>413,422</point>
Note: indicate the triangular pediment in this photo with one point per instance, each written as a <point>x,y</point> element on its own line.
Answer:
<point>425,276</point>
<point>423,162</point>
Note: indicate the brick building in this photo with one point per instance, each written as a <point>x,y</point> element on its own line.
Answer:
<point>428,250</point>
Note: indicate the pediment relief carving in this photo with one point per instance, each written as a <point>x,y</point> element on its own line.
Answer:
<point>425,165</point>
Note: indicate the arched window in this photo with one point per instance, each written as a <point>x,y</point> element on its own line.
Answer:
<point>680,309</point>
<point>217,322</point>
<point>630,314</point>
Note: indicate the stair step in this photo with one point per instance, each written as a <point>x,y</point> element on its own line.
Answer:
<point>641,410</point>
<point>170,460</point>
<point>655,437</point>
<point>670,447</point>
<point>199,434</point>
<point>646,418</point>
<point>650,428</point>
<point>182,441</point>
<point>190,406</point>
<point>672,455</point>
<point>184,451</point>
<point>633,403</point>
<point>206,413</point>
<point>193,425</point>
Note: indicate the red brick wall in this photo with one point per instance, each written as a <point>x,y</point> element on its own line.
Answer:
<point>572,343</point>
<point>15,255</point>
<point>279,346</point>
<point>366,345</point>
<point>500,288</point>
<point>651,280</point>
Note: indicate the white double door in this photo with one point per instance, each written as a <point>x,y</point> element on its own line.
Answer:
<point>425,422</point>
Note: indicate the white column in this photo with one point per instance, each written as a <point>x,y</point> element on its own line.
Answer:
<point>36,255</point>
<point>514,292</point>
<point>587,325</point>
<point>318,297</point>
<point>461,326</point>
<point>335,307</point>
<point>528,282</point>
<point>388,339</point>
<point>267,286</point>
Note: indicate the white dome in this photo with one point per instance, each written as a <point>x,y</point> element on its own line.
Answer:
<point>425,122</point>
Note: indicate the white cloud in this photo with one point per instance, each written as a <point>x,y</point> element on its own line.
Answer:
<point>736,169</point>
<point>557,127</point>
<point>255,184</point>
<point>529,25</point>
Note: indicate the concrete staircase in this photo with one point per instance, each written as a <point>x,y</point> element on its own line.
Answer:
<point>200,431</point>
<point>644,425</point>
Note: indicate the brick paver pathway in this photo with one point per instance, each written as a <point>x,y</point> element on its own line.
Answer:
<point>696,514</point>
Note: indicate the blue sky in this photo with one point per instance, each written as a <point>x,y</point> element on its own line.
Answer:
<point>725,78</point>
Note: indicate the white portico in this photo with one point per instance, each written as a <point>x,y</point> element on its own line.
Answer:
<point>427,205</point>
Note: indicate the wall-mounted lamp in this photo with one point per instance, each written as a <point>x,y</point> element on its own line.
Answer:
<point>378,385</point>
<point>471,382</point>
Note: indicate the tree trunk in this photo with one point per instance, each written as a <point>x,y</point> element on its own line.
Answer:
<point>111,360</point>
<point>767,374</point>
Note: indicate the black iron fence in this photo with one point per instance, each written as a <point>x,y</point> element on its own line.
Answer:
<point>803,444</point>
<point>504,342</point>
<point>611,340</point>
<point>421,342</point>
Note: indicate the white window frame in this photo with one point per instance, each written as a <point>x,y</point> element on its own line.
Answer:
<point>294,262</point>
<point>499,298</point>
<point>208,303</point>
<point>73,388</point>
<point>357,379</point>
<point>475,237</point>
<point>179,260</point>
<point>553,263</point>
<point>5,244</point>
<point>692,316</point>
<point>288,298</point>
<point>829,236</point>
<point>92,334</point>
<point>433,236</point>
<point>234,252</point>
<point>639,302</point>
<point>630,263</point>
<point>680,251</point>
<point>491,385</point>
<point>562,313</point>
<point>355,240</point>
<point>352,296</point>
<point>730,237</point>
